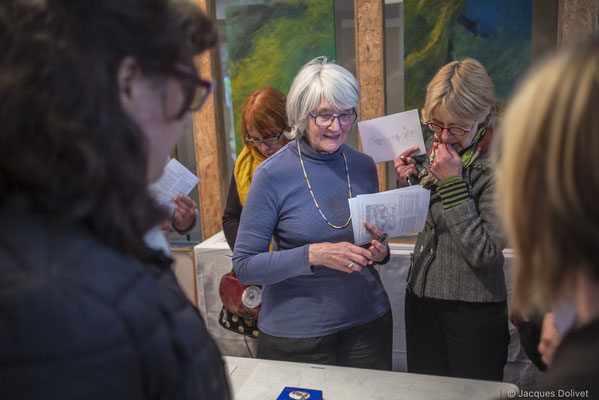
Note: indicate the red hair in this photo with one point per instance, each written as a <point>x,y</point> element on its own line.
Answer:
<point>264,111</point>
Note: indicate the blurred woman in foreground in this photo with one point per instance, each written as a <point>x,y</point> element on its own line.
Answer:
<point>94,97</point>
<point>548,180</point>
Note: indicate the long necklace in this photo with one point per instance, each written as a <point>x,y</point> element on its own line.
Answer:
<point>312,193</point>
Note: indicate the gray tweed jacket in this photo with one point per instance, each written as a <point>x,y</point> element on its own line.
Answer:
<point>458,255</point>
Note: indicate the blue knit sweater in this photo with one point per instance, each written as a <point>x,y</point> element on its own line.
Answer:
<point>299,301</point>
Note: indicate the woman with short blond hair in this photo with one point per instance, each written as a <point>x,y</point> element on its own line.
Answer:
<point>456,310</point>
<point>548,181</point>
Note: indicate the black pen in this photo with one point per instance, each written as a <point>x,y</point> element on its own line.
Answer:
<point>380,240</point>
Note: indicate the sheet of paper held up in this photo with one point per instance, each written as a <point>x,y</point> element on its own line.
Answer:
<point>395,212</point>
<point>175,180</point>
<point>385,137</point>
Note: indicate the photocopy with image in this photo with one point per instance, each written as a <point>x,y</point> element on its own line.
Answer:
<point>395,212</point>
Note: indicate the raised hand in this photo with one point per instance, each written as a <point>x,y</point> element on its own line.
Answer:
<point>405,165</point>
<point>184,212</point>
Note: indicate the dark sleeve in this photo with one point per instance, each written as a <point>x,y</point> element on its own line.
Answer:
<point>387,257</point>
<point>232,214</point>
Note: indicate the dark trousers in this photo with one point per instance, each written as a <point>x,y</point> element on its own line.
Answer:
<point>363,346</point>
<point>456,338</point>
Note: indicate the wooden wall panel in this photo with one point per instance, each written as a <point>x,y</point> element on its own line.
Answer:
<point>576,20</point>
<point>370,65</point>
<point>208,126</point>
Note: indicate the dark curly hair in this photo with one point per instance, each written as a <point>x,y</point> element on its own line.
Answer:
<point>66,145</point>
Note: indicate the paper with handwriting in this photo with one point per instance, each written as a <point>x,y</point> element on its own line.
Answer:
<point>385,137</point>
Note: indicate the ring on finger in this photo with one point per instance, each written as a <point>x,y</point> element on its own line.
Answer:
<point>351,266</point>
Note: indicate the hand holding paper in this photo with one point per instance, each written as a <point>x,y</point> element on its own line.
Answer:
<point>396,212</point>
<point>184,212</point>
<point>176,180</point>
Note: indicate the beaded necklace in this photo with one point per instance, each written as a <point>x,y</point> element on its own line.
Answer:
<point>312,193</point>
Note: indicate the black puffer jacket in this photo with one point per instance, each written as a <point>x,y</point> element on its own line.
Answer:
<point>78,320</point>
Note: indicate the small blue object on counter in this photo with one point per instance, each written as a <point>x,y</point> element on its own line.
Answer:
<point>293,393</point>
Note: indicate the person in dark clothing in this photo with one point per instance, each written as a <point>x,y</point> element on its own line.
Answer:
<point>95,94</point>
<point>548,184</point>
<point>263,123</point>
<point>529,331</point>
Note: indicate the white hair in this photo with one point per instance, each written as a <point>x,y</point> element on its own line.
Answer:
<point>316,80</point>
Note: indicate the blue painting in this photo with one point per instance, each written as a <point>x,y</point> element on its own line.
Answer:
<point>495,32</point>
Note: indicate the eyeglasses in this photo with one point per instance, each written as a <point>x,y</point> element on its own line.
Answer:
<point>325,120</point>
<point>196,89</point>
<point>454,130</point>
<point>269,141</point>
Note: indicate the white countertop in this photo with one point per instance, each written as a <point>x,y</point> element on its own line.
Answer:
<point>254,379</point>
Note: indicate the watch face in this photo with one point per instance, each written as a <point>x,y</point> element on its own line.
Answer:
<point>251,297</point>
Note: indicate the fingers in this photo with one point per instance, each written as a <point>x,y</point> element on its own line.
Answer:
<point>403,160</point>
<point>378,246</point>
<point>409,152</point>
<point>359,255</point>
<point>376,232</point>
<point>446,151</point>
<point>185,202</point>
<point>184,206</point>
<point>404,164</point>
<point>447,162</point>
<point>403,170</point>
<point>344,256</point>
<point>379,250</point>
<point>451,150</point>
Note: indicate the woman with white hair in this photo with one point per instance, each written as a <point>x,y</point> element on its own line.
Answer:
<point>322,300</point>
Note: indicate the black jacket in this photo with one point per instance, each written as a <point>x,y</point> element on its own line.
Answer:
<point>574,370</point>
<point>78,320</point>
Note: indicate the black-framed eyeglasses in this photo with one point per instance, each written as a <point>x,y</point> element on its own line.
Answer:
<point>454,130</point>
<point>269,141</point>
<point>196,89</point>
<point>325,120</point>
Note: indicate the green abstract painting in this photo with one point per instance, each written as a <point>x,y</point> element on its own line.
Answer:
<point>495,32</point>
<point>269,43</point>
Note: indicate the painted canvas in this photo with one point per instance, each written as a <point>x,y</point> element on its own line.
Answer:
<point>495,32</point>
<point>269,43</point>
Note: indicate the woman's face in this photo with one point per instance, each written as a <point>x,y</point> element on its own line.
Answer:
<point>441,117</point>
<point>154,106</point>
<point>327,139</point>
<point>273,141</point>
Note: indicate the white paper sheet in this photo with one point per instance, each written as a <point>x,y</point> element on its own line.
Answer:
<point>395,212</point>
<point>385,137</point>
<point>175,180</point>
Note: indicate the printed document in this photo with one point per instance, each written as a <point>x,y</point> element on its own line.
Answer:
<point>395,212</point>
<point>175,180</point>
<point>385,137</point>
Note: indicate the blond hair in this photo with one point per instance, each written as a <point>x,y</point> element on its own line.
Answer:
<point>548,175</point>
<point>464,90</point>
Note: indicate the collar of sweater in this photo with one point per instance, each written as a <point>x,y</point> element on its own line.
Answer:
<point>309,152</point>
